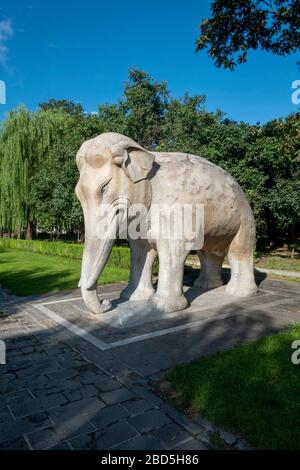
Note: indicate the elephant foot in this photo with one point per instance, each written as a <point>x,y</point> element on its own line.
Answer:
<point>106,306</point>
<point>208,283</point>
<point>132,294</point>
<point>169,304</point>
<point>239,289</point>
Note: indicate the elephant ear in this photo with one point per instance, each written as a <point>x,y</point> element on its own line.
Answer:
<point>135,161</point>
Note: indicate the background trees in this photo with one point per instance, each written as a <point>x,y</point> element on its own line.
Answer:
<point>37,157</point>
<point>236,26</point>
<point>25,142</point>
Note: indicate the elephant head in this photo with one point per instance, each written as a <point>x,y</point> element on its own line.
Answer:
<point>114,171</point>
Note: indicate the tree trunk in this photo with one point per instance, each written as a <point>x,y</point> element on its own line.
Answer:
<point>271,229</point>
<point>1,232</point>
<point>19,233</point>
<point>28,227</point>
<point>9,232</point>
<point>28,231</point>
<point>34,229</point>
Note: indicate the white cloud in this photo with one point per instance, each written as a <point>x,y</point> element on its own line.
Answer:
<point>6,33</point>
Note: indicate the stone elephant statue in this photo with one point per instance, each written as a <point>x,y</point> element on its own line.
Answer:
<point>113,169</point>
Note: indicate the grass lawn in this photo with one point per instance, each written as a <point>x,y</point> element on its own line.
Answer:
<point>26,273</point>
<point>269,261</point>
<point>252,390</point>
<point>278,262</point>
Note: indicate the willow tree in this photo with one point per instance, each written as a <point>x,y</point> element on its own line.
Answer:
<point>24,143</point>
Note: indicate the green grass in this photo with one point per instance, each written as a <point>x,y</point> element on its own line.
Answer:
<point>120,256</point>
<point>278,262</point>
<point>252,390</point>
<point>26,273</point>
<point>285,263</point>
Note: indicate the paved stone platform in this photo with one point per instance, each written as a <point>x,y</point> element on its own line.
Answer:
<point>76,381</point>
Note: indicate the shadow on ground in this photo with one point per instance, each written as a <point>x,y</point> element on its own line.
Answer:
<point>58,391</point>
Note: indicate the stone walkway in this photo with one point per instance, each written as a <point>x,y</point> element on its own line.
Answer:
<point>60,389</point>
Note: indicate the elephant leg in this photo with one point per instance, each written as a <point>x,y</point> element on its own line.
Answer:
<point>211,270</point>
<point>140,281</point>
<point>240,257</point>
<point>169,294</point>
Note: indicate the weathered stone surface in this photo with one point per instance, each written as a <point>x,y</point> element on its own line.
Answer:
<point>92,441</point>
<point>36,405</point>
<point>172,435</point>
<point>247,320</point>
<point>147,395</point>
<point>18,443</point>
<point>227,437</point>
<point>18,427</point>
<point>85,406</point>
<point>115,170</point>
<point>116,396</point>
<point>135,407</point>
<point>44,439</point>
<point>149,420</point>
<point>141,443</point>
<point>5,415</point>
<point>192,444</point>
<point>108,415</point>
<point>72,426</point>
<point>109,437</point>
<point>107,385</point>
<point>117,433</point>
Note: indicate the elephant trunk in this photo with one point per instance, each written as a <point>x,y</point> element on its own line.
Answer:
<point>95,255</point>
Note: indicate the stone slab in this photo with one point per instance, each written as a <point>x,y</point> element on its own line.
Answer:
<point>61,392</point>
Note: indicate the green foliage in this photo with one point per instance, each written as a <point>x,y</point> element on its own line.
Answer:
<point>52,188</point>
<point>120,256</point>
<point>140,112</point>
<point>237,26</point>
<point>25,142</point>
<point>144,105</point>
<point>37,155</point>
<point>65,106</point>
<point>284,202</point>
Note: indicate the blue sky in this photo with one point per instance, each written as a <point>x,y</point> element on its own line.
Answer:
<point>81,50</point>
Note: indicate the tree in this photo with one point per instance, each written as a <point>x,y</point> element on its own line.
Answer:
<point>66,106</point>
<point>112,118</point>
<point>236,26</point>
<point>52,190</point>
<point>284,203</point>
<point>186,125</point>
<point>25,141</point>
<point>140,112</point>
<point>38,173</point>
<point>144,104</point>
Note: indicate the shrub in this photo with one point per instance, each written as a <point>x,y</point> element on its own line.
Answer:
<point>119,258</point>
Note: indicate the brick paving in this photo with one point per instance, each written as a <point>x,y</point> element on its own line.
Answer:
<point>58,391</point>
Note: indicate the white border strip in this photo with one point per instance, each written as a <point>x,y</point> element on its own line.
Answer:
<point>166,331</point>
<point>69,299</point>
<point>73,328</point>
<point>104,346</point>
